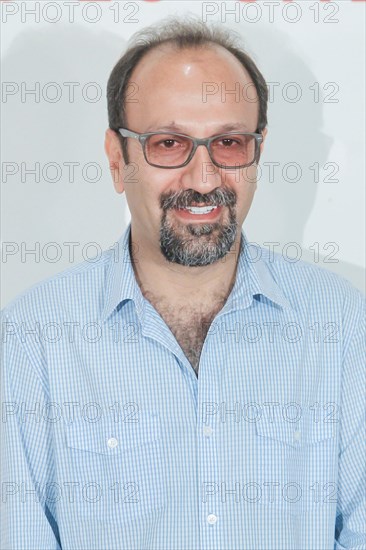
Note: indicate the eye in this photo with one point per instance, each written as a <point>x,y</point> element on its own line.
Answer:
<point>168,143</point>
<point>229,141</point>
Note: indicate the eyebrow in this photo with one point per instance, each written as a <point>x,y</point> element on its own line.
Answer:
<point>181,129</point>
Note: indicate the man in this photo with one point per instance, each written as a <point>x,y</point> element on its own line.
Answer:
<point>186,390</point>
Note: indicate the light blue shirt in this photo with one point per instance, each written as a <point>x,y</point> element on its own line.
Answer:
<point>111,441</point>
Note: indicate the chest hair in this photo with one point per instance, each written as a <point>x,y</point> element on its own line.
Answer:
<point>188,322</point>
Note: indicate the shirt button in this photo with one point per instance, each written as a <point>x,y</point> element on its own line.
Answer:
<point>207,431</point>
<point>112,442</point>
<point>211,518</point>
<point>297,436</point>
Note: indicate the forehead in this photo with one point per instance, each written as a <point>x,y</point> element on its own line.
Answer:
<point>199,85</point>
<point>170,55</point>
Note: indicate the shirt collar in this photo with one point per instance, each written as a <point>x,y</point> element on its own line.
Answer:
<point>121,284</point>
<point>253,277</point>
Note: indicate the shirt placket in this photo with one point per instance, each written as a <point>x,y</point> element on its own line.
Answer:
<point>208,398</point>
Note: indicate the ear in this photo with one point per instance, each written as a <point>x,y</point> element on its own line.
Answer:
<point>264,133</point>
<point>112,147</point>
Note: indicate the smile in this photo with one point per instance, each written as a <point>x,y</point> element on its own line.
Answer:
<point>199,213</point>
<point>200,209</point>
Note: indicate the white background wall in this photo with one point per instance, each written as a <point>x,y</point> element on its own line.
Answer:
<point>312,53</point>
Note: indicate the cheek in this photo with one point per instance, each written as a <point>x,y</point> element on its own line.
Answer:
<point>144,192</point>
<point>249,177</point>
<point>243,182</point>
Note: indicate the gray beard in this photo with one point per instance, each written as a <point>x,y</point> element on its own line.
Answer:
<point>197,245</point>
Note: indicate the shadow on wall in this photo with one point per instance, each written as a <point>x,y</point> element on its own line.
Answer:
<point>282,205</point>
<point>61,127</point>
<point>58,133</point>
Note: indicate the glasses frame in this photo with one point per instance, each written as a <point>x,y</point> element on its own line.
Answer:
<point>142,138</point>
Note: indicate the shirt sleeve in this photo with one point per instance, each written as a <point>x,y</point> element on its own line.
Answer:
<point>28,518</point>
<point>350,526</point>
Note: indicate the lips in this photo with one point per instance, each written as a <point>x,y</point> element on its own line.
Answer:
<point>199,212</point>
<point>198,204</point>
<point>200,209</point>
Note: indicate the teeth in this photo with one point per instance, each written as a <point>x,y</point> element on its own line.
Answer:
<point>200,209</point>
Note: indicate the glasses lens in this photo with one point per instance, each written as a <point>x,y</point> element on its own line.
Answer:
<point>234,149</point>
<point>167,149</point>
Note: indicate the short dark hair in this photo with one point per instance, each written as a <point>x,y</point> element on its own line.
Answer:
<point>183,34</point>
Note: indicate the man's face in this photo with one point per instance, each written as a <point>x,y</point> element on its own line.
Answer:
<point>171,90</point>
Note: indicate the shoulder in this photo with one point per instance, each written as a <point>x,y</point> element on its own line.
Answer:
<point>314,290</point>
<point>299,276</point>
<point>70,291</point>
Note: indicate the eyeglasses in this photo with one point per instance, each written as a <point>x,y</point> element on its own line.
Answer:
<point>165,150</point>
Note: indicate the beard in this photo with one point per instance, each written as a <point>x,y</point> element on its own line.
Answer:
<point>198,244</point>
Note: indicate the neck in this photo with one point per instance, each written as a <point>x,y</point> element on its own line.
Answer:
<point>177,283</point>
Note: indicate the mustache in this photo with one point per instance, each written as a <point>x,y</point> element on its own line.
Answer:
<point>183,199</point>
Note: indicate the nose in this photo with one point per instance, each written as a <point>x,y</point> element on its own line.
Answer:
<point>200,173</point>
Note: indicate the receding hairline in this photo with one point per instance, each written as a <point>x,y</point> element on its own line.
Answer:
<point>179,34</point>
<point>170,47</point>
